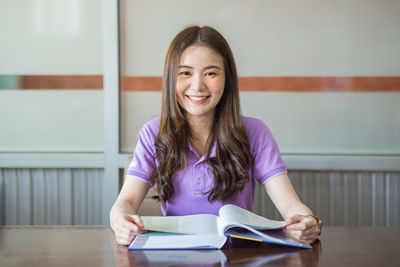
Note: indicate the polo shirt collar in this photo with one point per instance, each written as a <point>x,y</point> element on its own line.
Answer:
<point>213,152</point>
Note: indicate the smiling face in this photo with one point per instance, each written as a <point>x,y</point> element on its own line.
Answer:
<point>200,82</point>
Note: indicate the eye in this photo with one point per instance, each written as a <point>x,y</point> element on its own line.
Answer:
<point>185,73</point>
<point>210,74</point>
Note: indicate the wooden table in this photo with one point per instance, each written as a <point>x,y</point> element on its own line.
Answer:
<point>95,246</point>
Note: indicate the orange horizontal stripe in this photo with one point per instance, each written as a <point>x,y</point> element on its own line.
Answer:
<point>141,83</point>
<point>267,84</point>
<point>61,82</point>
<point>320,84</point>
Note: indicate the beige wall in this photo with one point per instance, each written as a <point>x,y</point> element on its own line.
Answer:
<point>46,37</point>
<point>51,37</point>
<point>281,38</point>
<point>302,123</point>
<point>301,38</point>
<point>51,121</point>
<point>269,38</point>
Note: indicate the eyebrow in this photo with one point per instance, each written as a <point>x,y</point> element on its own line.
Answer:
<point>206,68</point>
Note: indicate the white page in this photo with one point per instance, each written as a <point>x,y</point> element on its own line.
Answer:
<point>189,224</point>
<point>235,214</point>
<point>277,238</point>
<point>177,241</point>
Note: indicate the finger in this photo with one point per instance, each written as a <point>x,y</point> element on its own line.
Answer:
<point>296,227</point>
<point>123,241</point>
<point>128,226</point>
<point>309,239</point>
<point>131,225</point>
<point>132,234</point>
<point>293,219</point>
<point>299,236</point>
<point>304,229</point>
<point>137,220</point>
<point>126,233</point>
<point>126,237</point>
<point>122,237</point>
<point>295,236</point>
<point>308,235</point>
<point>302,223</point>
<point>302,234</point>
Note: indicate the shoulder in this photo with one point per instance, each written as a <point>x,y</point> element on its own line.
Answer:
<point>254,126</point>
<point>251,123</point>
<point>257,132</point>
<point>150,130</point>
<point>151,127</point>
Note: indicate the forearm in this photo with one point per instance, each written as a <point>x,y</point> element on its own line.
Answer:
<point>283,195</point>
<point>129,200</point>
<point>294,209</point>
<point>300,226</point>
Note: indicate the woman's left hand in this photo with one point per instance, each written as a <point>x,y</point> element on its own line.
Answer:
<point>303,228</point>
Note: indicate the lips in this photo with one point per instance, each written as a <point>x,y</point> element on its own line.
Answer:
<point>197,99</point>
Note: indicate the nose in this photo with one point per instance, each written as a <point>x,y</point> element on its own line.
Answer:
<point>197,82</point>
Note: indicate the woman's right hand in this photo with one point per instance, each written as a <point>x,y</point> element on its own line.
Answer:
<point>126,227</point>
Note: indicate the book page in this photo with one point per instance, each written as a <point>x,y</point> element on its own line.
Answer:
<point>232,214</point>
<point>276,236</point>
<point>189,224</point>
<point>154,240</point>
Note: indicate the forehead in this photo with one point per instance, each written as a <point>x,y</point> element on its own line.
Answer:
<point>200,55</point>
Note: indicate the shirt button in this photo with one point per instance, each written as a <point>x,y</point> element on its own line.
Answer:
<point>198,166</point>
<point>198,180</point>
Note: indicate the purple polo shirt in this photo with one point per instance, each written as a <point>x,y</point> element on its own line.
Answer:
<point>192,182</point>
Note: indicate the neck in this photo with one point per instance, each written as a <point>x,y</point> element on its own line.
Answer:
<point>200,129</point>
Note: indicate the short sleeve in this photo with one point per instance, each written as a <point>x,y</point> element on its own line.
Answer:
<point>265,151</point>
<point>142,164</point>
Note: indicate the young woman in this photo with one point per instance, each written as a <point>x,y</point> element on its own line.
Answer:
<point>202,154</point>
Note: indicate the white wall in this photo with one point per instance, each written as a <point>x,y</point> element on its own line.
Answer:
<point>51,121</point>
<point>302,123</point>
<point>50,37</point>
<point>268,38</point>
<point>271,37</point>
<point>282,38</point>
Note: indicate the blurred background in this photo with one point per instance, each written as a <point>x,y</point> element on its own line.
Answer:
<point>78,79</point>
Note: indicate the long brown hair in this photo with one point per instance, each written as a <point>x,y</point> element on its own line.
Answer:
<point>233,160</point>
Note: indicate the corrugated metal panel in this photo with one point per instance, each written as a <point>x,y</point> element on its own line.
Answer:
<point>50,196</point>
<point>343,197</point>
<point>73,196</point>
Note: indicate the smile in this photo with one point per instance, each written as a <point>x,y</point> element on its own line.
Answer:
<point>197,98</point>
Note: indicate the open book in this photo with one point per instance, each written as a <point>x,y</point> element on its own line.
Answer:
<point>207,231</point>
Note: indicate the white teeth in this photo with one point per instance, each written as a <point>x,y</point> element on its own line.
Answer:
<point>197,98</point>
